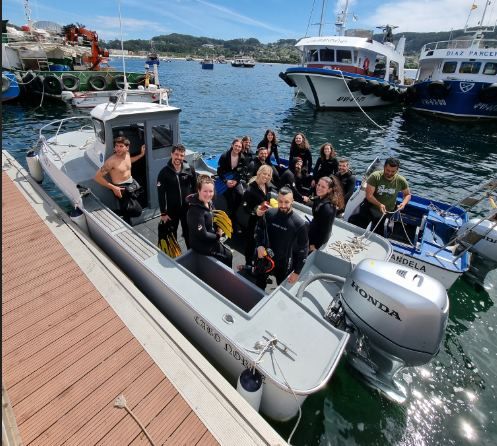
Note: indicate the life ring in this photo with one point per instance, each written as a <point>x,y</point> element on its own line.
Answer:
<point>119,80</point>
<point>488,94</point>
<point>52,84</point>
<point>5,83</point>
<point>365,65</point>
<point>70,82</point>
<point>98,82</point>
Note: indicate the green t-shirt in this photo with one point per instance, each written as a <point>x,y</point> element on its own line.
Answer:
<point>386,191</point>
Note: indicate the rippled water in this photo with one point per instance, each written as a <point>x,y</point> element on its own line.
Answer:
<point>454,398</point>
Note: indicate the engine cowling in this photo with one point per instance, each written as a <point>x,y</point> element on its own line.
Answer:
<point>399,310</point>
<point>486,247</point>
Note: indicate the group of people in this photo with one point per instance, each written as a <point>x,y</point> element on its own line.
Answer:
<point>278,232</point>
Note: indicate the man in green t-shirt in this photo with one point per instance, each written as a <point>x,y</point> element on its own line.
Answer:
<point>381,196</point>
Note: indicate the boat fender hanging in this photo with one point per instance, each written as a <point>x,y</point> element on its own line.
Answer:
<point>98,82</point>
<point>52,84</point>
<point>250,385</point>
<point>78,217</point>
<point>34,166</point>
<point>5,83</point>
<point>488,94</point>
<point>356,83</point>
<point>70,82</point>
<point>365,64</point>
<point>369,87</point>
<point>38,83</point>
<point>119,80</point>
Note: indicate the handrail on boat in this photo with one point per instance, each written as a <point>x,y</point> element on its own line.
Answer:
<point>60,123</point>
<point>459,44</point>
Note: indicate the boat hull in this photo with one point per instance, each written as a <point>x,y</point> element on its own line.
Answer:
<point>328,89</point>
<point>10,86</point>
<point>454,99</point>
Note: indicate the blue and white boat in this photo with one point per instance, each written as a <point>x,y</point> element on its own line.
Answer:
<point>10,86</point>
<point>207,64</point>
<point>457,79</point>
<point>349,69</point>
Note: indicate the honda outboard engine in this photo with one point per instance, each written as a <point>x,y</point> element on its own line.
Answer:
<point>480,237</point>
<point>398,316</point>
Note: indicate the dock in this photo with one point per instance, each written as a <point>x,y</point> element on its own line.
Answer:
<point>77,335</point>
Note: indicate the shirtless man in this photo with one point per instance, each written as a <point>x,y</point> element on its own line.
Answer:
<point>118,167</point>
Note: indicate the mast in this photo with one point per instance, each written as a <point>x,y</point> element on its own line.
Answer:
<point>321,20</point>
<point>27,12</point>
<point>340,21</point>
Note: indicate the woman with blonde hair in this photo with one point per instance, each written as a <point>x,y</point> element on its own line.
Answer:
<point>258,193</point>
<point>329,198</point>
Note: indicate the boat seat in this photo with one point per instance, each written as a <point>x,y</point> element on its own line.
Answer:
<point>238,290</point>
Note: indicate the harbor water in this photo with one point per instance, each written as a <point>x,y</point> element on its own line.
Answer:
<point>454,398</point>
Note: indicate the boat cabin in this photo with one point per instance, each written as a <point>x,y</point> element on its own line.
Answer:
<point>470,60</point>
<point>156,126</point>
<point>356,52</point>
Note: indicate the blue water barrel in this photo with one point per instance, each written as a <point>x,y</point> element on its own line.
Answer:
<point>57,67</point>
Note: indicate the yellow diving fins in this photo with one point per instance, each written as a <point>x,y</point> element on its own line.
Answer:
<point>223,222</point>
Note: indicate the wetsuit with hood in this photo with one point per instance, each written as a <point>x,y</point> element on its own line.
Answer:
<point>323,217</point>
<point>203,237</point>
<point>226,172</point>
<point>288,239</point>
<point>347,180</point>
<point>172,188</point>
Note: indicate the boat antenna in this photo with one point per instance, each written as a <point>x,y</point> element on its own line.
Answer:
<point>321,20</point>
<point>310,17</point>
<point>340,21</point>
<point>122,47</point>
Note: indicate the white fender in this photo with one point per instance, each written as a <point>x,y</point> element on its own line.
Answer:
<point>250,387</point>
<point>34,166</point>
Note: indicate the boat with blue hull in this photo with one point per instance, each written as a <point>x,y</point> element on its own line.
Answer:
<point>457,79</point>
<point>207,64</point>
<point>350,69</point>
<point>10,86</point>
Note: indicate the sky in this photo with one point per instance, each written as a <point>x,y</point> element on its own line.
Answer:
<point>266,20</point>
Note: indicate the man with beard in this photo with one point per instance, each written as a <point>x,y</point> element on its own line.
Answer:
<point>381,196</point>
<point>175,182</point>
<point>347,179</point>
<point>284,233</point>
<point>261,160</point>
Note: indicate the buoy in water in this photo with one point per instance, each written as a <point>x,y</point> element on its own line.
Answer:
<point>34,166</point>
<point>250,387</point>
<point>78,217</point>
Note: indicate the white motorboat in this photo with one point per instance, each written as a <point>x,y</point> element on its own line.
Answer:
<point>348,295</point>
<point>349,69</point>
<point>243,62</point>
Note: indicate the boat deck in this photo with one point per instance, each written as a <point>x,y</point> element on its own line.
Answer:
<point>67,354</point>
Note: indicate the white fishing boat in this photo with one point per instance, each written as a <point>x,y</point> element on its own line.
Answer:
<point>457,79</point>
<point>348,296</point>
<point>350,68</point>
<point>243,62</point>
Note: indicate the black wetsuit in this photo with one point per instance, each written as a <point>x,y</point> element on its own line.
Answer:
<point>233,195</point>
<point>306,156</point>
<point>288,240</point>
<point>254,165</point>
<point>348,184</point>
<point>273,151</point>
<point>300,185</point>
<point>323,213</point>
<point>172,189</point>
<point>203,237</point>
<point>252,198</point>
<point>325,168</point>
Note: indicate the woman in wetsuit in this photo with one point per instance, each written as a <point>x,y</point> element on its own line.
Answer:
<point>329,198</point>
<point>204,236</point>
<point>257,193</point>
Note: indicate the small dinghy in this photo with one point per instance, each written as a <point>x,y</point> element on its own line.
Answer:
<point>348,296</point>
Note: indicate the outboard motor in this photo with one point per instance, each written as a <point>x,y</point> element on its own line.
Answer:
<point>479,236</point>
<point>397,318</point>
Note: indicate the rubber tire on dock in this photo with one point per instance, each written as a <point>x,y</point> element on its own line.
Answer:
<point>119,81</point>
<point>38,83</point>
<point>488,95</point>
<point>97,82</point>
<point>70,82</point>
<point>52,84</point>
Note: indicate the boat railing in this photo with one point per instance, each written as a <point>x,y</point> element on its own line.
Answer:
<point>61,123</point>
<point>460,44</point>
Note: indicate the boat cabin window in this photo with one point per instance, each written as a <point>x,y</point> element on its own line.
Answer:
<point>470,67</point>
<point>449,67</point>
<point>162,136</point>
<point>344,56</point>
<point>135,133</point>
<point>98,127</point>
<point>490,68</point>
<point>327,55</point>
<point>313,56</point>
